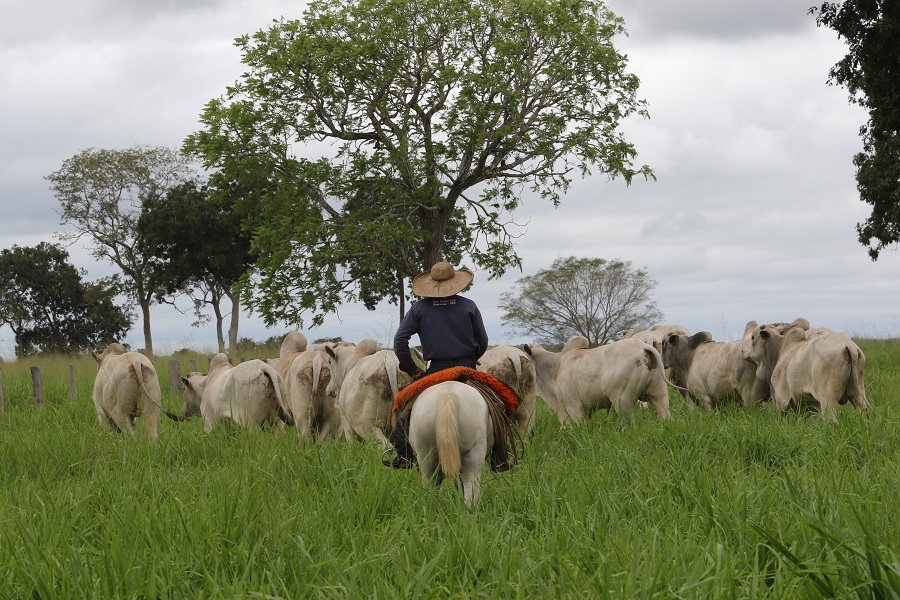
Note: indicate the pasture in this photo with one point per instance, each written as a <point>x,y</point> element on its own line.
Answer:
<point>733,504</point>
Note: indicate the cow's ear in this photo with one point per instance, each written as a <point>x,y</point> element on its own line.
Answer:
<point>330,352</point>
<point>186,381</point>
<point>672,339</point>
<point>764,334</point>
<point>527,349</point>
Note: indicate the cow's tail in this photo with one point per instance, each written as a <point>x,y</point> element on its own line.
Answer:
<point>392,366</point>
<point>147,397</point>
<point>317,364</point>
<point>655,361</point>
<point>517,367</point>
<point>446,434</point>
<point>856,379</point>
<point>278,385</point>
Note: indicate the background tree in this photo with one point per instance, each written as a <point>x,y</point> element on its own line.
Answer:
<point>592,297</point>
<point>201,250</point>
<point>101,193</point>
<point>50,309</point>
<point>870,72</point>
<point>433,113</point>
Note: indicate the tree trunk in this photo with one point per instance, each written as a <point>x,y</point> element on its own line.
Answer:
<point>148,337</point>
<point>217,310</point>
<point>235,317</point>
<point>402,295</point>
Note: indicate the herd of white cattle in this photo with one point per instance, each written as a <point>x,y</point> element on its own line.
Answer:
<point>346,390</point>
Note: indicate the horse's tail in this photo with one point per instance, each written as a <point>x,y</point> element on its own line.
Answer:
<point>446,434</point>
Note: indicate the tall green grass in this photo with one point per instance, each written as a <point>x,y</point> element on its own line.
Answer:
<point>733,504</point>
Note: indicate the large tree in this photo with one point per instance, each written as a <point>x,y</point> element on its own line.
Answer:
<point>101,193</point>
<point>383,123</point>
<point>202,250</point>
<point>871,73</point>
<point>592,297</point>
<point>50,309</point>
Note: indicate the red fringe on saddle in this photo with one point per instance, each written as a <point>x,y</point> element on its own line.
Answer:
<point>463,374</point>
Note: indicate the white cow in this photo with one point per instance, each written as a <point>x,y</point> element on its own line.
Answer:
<point>367,396</point>
<point>126,387</point>
<point>579,379</point>
<point>514,367</point>
<point>655,335</point>
<point>817,368</point>
<point>711,372</point>
<point>306,381</point>
<point>345,357</point>
<point>251,394</point>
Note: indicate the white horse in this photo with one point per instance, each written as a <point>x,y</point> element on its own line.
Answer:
<point>451,432</point>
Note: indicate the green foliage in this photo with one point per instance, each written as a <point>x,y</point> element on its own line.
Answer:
<point>50,309</point>
<point>871,29</point>
<point>591,297</point>
<point>431,119</point>
<point>197,245</point>
<point>732,504</point>
<point>101,193</point>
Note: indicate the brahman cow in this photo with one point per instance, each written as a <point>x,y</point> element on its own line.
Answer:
<point>709,373</point>
<point>367,395</point>
<point>655,335</point>
<point>126,387</point>
<point>250,394</point>
<point>579,379</point>
<point>307,373</point>
<point>514,367</point>
<point>345,357</point>
<point>306,381</point>
<point>818,368</point>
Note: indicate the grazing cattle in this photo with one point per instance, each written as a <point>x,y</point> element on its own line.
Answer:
<point>451,433</point>
<point>306,381</point>
<point>816,368</point>
<point>655,335</point>
<point>514,367</point>
<point>710,373</point>
<point>345,357</point>
<point>126,387</point>
<point>292,346</point>
<point>579,379</point>
<point>250,394</point>
<point>367,395</point>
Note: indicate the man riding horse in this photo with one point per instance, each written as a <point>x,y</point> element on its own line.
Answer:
<point>452,334</point>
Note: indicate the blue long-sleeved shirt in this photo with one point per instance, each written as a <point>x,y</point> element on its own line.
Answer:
<point>449,329</point>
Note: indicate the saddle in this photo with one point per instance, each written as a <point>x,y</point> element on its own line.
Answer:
<point>501,400</point>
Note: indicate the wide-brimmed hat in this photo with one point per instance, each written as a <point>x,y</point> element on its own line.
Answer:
<point>441,281</point>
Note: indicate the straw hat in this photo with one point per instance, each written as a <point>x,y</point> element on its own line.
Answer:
<point>441,281</point>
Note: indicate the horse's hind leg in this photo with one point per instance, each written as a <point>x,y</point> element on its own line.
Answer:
<point>429,468</point>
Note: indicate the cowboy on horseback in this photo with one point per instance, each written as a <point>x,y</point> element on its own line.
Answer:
<point>452,334</point>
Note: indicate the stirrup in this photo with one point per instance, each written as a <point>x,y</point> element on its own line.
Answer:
<point>398,462</point>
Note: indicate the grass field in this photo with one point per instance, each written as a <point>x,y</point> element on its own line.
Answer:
<point>733,504</point>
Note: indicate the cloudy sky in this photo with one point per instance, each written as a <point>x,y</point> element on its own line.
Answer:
<point>752,216</point>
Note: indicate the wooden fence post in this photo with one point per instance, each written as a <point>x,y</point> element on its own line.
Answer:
<point>175,377</point>
<point>37,384</point>
<point>2,407</point>
<point>73,389</point>
<point>193,366</point>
